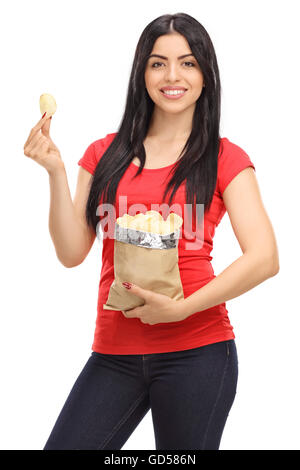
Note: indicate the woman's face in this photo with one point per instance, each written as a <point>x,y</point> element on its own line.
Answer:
<point>174,72</point>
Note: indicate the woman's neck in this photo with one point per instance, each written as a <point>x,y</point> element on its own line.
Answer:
<point>166,127</point>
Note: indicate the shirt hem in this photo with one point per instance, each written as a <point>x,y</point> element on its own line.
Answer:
<point>163,348</point>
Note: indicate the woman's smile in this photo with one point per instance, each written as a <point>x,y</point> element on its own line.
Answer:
<point>173,94</point>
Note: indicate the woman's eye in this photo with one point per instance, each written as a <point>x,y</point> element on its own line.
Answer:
<point>160,63</point>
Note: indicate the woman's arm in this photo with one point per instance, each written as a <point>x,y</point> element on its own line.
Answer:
<point>254,232</point>
<point>71,236</point>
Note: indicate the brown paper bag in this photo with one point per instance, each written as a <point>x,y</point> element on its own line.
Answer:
<point>145,254</point>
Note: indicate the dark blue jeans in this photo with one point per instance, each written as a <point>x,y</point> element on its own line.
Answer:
<point>189,392</point>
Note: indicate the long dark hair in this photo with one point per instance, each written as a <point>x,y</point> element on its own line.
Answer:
<point>198,162</point>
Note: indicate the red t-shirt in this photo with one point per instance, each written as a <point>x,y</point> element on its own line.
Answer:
<point>116,334</point>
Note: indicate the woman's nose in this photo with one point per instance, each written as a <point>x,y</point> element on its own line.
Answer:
<point>172,72</point>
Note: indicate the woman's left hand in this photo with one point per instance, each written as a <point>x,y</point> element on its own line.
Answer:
<point>158,308</point>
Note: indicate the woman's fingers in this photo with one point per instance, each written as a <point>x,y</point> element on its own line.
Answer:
<point>35,138</point>
<point>38,150</point>
<point>38,142</point>
<point>35,129</point>
<point>46,127</point>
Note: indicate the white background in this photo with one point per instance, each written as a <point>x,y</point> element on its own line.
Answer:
<point>82,53</point>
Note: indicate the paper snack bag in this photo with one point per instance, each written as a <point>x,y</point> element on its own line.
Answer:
<point>145,254</point>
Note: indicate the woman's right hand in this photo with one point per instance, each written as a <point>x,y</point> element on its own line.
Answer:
<point>40,147</point>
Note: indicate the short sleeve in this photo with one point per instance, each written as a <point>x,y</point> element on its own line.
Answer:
<point>88,160</point>
<point>94,152</point>
<point>232,160</point>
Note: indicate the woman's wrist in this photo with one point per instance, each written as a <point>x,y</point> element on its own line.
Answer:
<point>57,170</point>
<point>182,309</point>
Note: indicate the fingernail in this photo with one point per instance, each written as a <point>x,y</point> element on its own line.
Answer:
<point>127,285</point>
<point>44,114</point>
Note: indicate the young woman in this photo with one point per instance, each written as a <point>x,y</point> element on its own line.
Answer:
<point>177,358</point>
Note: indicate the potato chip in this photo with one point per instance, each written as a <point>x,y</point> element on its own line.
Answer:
<point>152,221</point>
<point>47,104</point>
